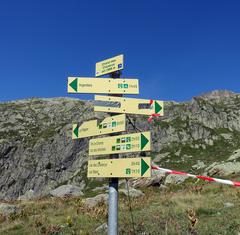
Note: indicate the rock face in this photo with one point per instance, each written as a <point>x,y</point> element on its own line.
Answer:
<point>66,190</point>
<point>37,152</point>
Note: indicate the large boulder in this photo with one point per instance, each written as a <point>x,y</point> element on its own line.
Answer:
<point>94,201</point>
<point>234,156</point>
<point>102,228</point>
<point>132,192</point>
<point>155,180</point>
<point>67,190</point>
<point>29,195</point>
<point>199,165</point>
<point>175,179</point>
<point>225,169</point>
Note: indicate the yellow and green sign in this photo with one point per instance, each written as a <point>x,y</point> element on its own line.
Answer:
<point>102,85</point>
<point>109,125</point>
<point>120,144</point>
<point>120,168</point>
<point>109,66</point>
<point>127,105</point>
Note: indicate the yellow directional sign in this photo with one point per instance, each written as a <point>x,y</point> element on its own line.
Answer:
<point>120,168</point>
<point>110,65</point>
<point>120,144</point>
<point>127,105</point>
<point>102,85</point>
<point>92,128</point>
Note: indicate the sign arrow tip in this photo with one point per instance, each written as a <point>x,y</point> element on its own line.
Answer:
<point>75,131</point>
<point>144,141</point>
<point>74,84</point>
<point>144,167</point>
<point>158,107</point>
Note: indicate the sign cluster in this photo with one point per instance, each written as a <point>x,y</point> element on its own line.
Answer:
<point>127,143</point>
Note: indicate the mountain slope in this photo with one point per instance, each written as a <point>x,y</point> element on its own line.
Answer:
<point>37,152</point>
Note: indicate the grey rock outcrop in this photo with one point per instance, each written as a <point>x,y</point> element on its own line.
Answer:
<point>7,209</point>
<point>94,201</point>
<point>155,180</point>
<point>102,229</point>
<point>175,179</point>
<point>132,192</point>
<point>199,165</point>
<point>29,195</point>
<point>235,156</point>
<point>66,190</point>
<point>225,169</point>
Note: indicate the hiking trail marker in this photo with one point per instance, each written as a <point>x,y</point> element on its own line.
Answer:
<point>109,65</point>
<point>109,125</point>
<point>120,168</point>
<point>128,143</point>
<point>114,167</point>
<point>127,105</point>
<point>102,85</point>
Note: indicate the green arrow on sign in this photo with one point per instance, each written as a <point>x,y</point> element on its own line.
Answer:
<point>144,167</point>
<point>158,107</point>
<point>144,141</point>
<point>74,84</point>
<point>75,131</point>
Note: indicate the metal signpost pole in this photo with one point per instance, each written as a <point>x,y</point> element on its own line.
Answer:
<point>113,188</point>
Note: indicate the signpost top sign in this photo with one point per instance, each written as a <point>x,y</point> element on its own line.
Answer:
<point>120,168</point>
<point>109,66</point>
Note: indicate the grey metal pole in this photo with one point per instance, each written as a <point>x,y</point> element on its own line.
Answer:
<point>113,188</point>
<point>113,207</point>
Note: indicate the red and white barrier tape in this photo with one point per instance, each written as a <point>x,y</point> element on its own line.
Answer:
<point>202,177</point>
<point>152,115</point>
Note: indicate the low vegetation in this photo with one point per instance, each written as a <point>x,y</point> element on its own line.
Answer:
<point>194,207</point>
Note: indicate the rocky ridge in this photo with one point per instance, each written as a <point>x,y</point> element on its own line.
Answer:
<point>37,152</point>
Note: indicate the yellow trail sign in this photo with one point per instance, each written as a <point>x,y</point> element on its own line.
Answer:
<point>120,168</point>
<point>102,85</point>
<point>92,128</point>
<point>120,144</point>
<point>109,66</point>
<point>127,105</point>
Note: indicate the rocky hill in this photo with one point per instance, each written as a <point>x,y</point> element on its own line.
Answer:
<point>37,152</point>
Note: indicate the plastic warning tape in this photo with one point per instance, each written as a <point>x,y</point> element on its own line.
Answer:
<point>202,177</point>
<point>152,115</point>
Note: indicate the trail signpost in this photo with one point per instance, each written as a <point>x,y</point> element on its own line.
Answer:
<point>102,85</point>
<point>127,105</point>
<point>120,168</point>
<point>114,167</point>
<point>109,125</point>
<point>120,144</point>
<point>109,66</point>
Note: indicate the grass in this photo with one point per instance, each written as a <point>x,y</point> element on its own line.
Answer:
<point>159,212</point>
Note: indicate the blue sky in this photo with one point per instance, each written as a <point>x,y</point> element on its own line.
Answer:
<point>177,49</point>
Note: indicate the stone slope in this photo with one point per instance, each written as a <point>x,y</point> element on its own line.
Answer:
<point>37,152</point>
